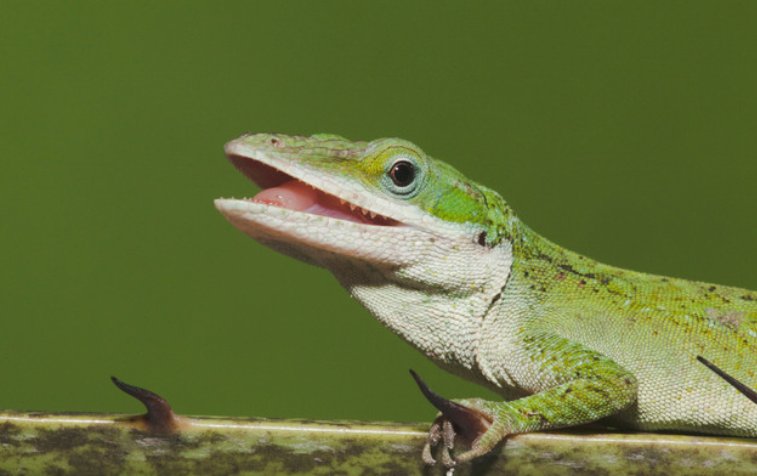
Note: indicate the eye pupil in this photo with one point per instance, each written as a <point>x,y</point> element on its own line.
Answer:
<point>402,173</point>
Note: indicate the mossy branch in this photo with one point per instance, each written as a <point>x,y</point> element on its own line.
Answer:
<point>163,443</point>
<point>109,445</point>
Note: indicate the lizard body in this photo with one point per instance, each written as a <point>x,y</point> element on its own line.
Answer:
<point>447,265</point>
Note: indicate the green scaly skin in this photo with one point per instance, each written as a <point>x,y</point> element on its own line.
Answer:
<point>564,339</point>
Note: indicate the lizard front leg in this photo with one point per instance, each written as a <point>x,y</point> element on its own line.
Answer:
<point>582,386</point>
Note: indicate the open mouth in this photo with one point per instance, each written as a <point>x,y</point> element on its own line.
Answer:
<point>284,191</point>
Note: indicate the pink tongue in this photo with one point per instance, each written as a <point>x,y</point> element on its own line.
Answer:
<point>295,195</point>
<point>292,195</point>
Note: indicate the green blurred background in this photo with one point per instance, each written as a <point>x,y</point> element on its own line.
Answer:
<point>625,131</point>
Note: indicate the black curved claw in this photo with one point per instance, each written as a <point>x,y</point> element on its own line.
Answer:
<point>160,417</point>
<point>468,422</point>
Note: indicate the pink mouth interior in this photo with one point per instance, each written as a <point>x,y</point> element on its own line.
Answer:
<point>281,190</point>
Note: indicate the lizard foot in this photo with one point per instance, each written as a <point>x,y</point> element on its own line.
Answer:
<point>470,420</point>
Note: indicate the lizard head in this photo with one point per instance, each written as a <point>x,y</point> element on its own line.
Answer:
<point>380,215</point>
<point>330,194</point>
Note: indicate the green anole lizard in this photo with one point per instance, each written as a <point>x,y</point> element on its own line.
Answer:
<point>446,264</point>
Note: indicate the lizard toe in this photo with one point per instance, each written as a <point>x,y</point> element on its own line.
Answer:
<point>484,444</point>
<point>434,436</point>
<point>468,419</point>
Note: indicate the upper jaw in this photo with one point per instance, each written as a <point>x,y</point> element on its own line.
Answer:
<point>269,166</point>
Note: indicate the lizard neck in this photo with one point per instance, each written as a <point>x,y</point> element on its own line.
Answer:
<point>437,302</point>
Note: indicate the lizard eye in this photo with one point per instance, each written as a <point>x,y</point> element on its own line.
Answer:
<point>403,176</point>
<point>402,173</point>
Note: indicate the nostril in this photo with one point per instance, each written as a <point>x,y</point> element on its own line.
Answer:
<point>276,142</point>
